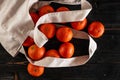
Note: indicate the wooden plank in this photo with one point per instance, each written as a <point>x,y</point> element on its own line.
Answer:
<point>96,72</point>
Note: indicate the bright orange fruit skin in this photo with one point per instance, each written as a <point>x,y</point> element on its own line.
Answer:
<point>35,71</point>
<point>36,53</point>
<point>62,9</point>
<point>64,34</point>
<point>45,9</point>
<point>52,53</point>
<point>96,29</point>
<point>28,42</point>
<point>80,25</point>
<point>48,29</point>
<point>66,50</point>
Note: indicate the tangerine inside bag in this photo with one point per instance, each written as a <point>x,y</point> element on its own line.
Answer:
<point>78,11</point>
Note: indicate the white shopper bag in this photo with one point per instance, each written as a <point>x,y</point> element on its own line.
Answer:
<point>16,25</point>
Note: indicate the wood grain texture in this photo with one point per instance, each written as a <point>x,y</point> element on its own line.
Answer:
<point>104,65</point>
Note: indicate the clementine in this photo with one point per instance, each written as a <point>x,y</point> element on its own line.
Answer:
<point>80,25</point>
<point>28,42</point>
<point>96,29</point>
<point>48,29</point>
<point>36,53</point>
<point>52,53</point>
<point>64,34</point>
<point>45,9</point>
<point>35,71</point>
<point>62,9</point>
<point>66,50</point>
<point>34,17</point>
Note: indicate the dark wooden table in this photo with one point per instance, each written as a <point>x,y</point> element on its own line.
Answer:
<point>104,65</point>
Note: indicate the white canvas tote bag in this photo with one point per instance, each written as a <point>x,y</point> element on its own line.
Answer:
<point>16,25</point>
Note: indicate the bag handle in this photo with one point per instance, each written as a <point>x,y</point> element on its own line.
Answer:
<point>69,62</point>
<point>59,17</point>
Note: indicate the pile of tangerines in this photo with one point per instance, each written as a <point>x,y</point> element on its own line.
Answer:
<point>63,34</point>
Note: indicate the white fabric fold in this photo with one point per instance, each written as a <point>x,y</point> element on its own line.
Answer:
<point>15,23</point>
